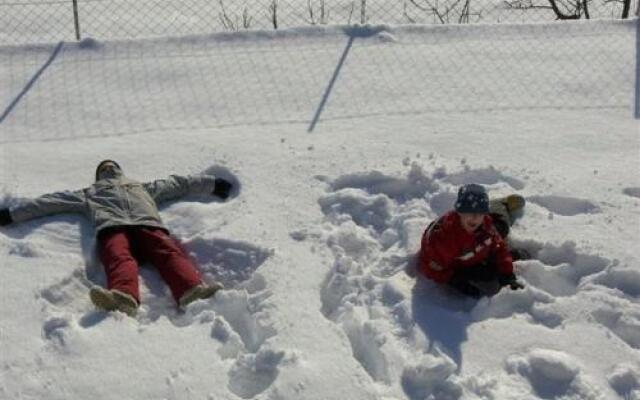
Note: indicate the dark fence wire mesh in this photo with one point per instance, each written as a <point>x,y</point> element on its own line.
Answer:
<point>101,87</point>
<point>97,89</point>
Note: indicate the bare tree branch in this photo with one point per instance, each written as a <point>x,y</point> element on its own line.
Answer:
<point>227,22</point>
<point>457,11</point>
<point>560,14</point>
<point>353,8</point>
<point>574,9</point>
<point>430,9</point>
<point>520,5</point>
<point>324,14</point>
<point>246,19</point>
<point>406,13</point>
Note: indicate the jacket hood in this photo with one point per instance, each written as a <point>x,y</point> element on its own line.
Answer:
<point>109,173</point>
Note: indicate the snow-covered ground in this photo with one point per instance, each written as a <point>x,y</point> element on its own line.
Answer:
<point>317,246</point>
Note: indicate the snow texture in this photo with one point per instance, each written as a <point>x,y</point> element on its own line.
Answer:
<point>317,244</point>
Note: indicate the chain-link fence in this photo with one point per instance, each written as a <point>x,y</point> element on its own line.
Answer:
<point>103,87</point>
<point>98,89</point>
<point>51,20</point>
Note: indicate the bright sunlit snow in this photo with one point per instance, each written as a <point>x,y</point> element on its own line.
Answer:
<point>316,248</point>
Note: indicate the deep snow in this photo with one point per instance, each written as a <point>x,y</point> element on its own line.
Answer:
<point>317,245</point>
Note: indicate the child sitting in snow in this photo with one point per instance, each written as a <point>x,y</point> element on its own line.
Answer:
<point>128,228</point>
<point>466,248</point>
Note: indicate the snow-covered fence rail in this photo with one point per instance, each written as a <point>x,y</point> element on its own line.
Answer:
<point>29,21</point>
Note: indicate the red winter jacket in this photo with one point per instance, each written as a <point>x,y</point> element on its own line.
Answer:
<point>446,246</point>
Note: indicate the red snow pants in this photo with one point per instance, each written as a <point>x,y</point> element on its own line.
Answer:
<point>121,249</point>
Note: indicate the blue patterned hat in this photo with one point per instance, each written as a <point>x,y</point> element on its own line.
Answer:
<point>472,198</point>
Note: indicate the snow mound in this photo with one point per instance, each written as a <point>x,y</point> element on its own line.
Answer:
<point>552,374</point>
<point>622,318</point>
<point>253,373</point>
<point>552,365</point>
<point>625,380</point>
<point>559,270</point>
<point>626,280</point>
<point>355,204</point>
<point>89,44</point>
<point>431,377</point>
<point>632,191</point>
<point>442,202</point>
<point>415,185</point>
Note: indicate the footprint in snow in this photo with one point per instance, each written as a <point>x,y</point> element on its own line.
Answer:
<point>240,315</point>
<point>377,224</point>
<point>378,221</point>
<point>484,176</point>
<point>231,262</point>
<point>253,373</point>
<point>566,206</point>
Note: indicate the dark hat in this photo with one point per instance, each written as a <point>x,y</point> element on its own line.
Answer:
<point>472,198</point>
<point>104,162</point>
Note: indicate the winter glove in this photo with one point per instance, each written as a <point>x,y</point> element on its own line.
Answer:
<point>222,188</point>
<point>511,281</point>
<point>5,217</point>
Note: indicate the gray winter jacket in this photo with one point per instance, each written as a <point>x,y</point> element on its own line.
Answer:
<point>116,201</point>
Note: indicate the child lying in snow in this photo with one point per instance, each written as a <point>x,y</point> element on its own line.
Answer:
<point>466,248</point>
<point>129,229</point>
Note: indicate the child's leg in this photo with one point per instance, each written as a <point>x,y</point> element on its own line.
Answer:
<point>120,266</point>
<point>500,216</point>
<point>477,280</point>
<point>505,210</point>
<point>166,254</point>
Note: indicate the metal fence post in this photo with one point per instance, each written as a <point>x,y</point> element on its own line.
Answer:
<point>75,19</point>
